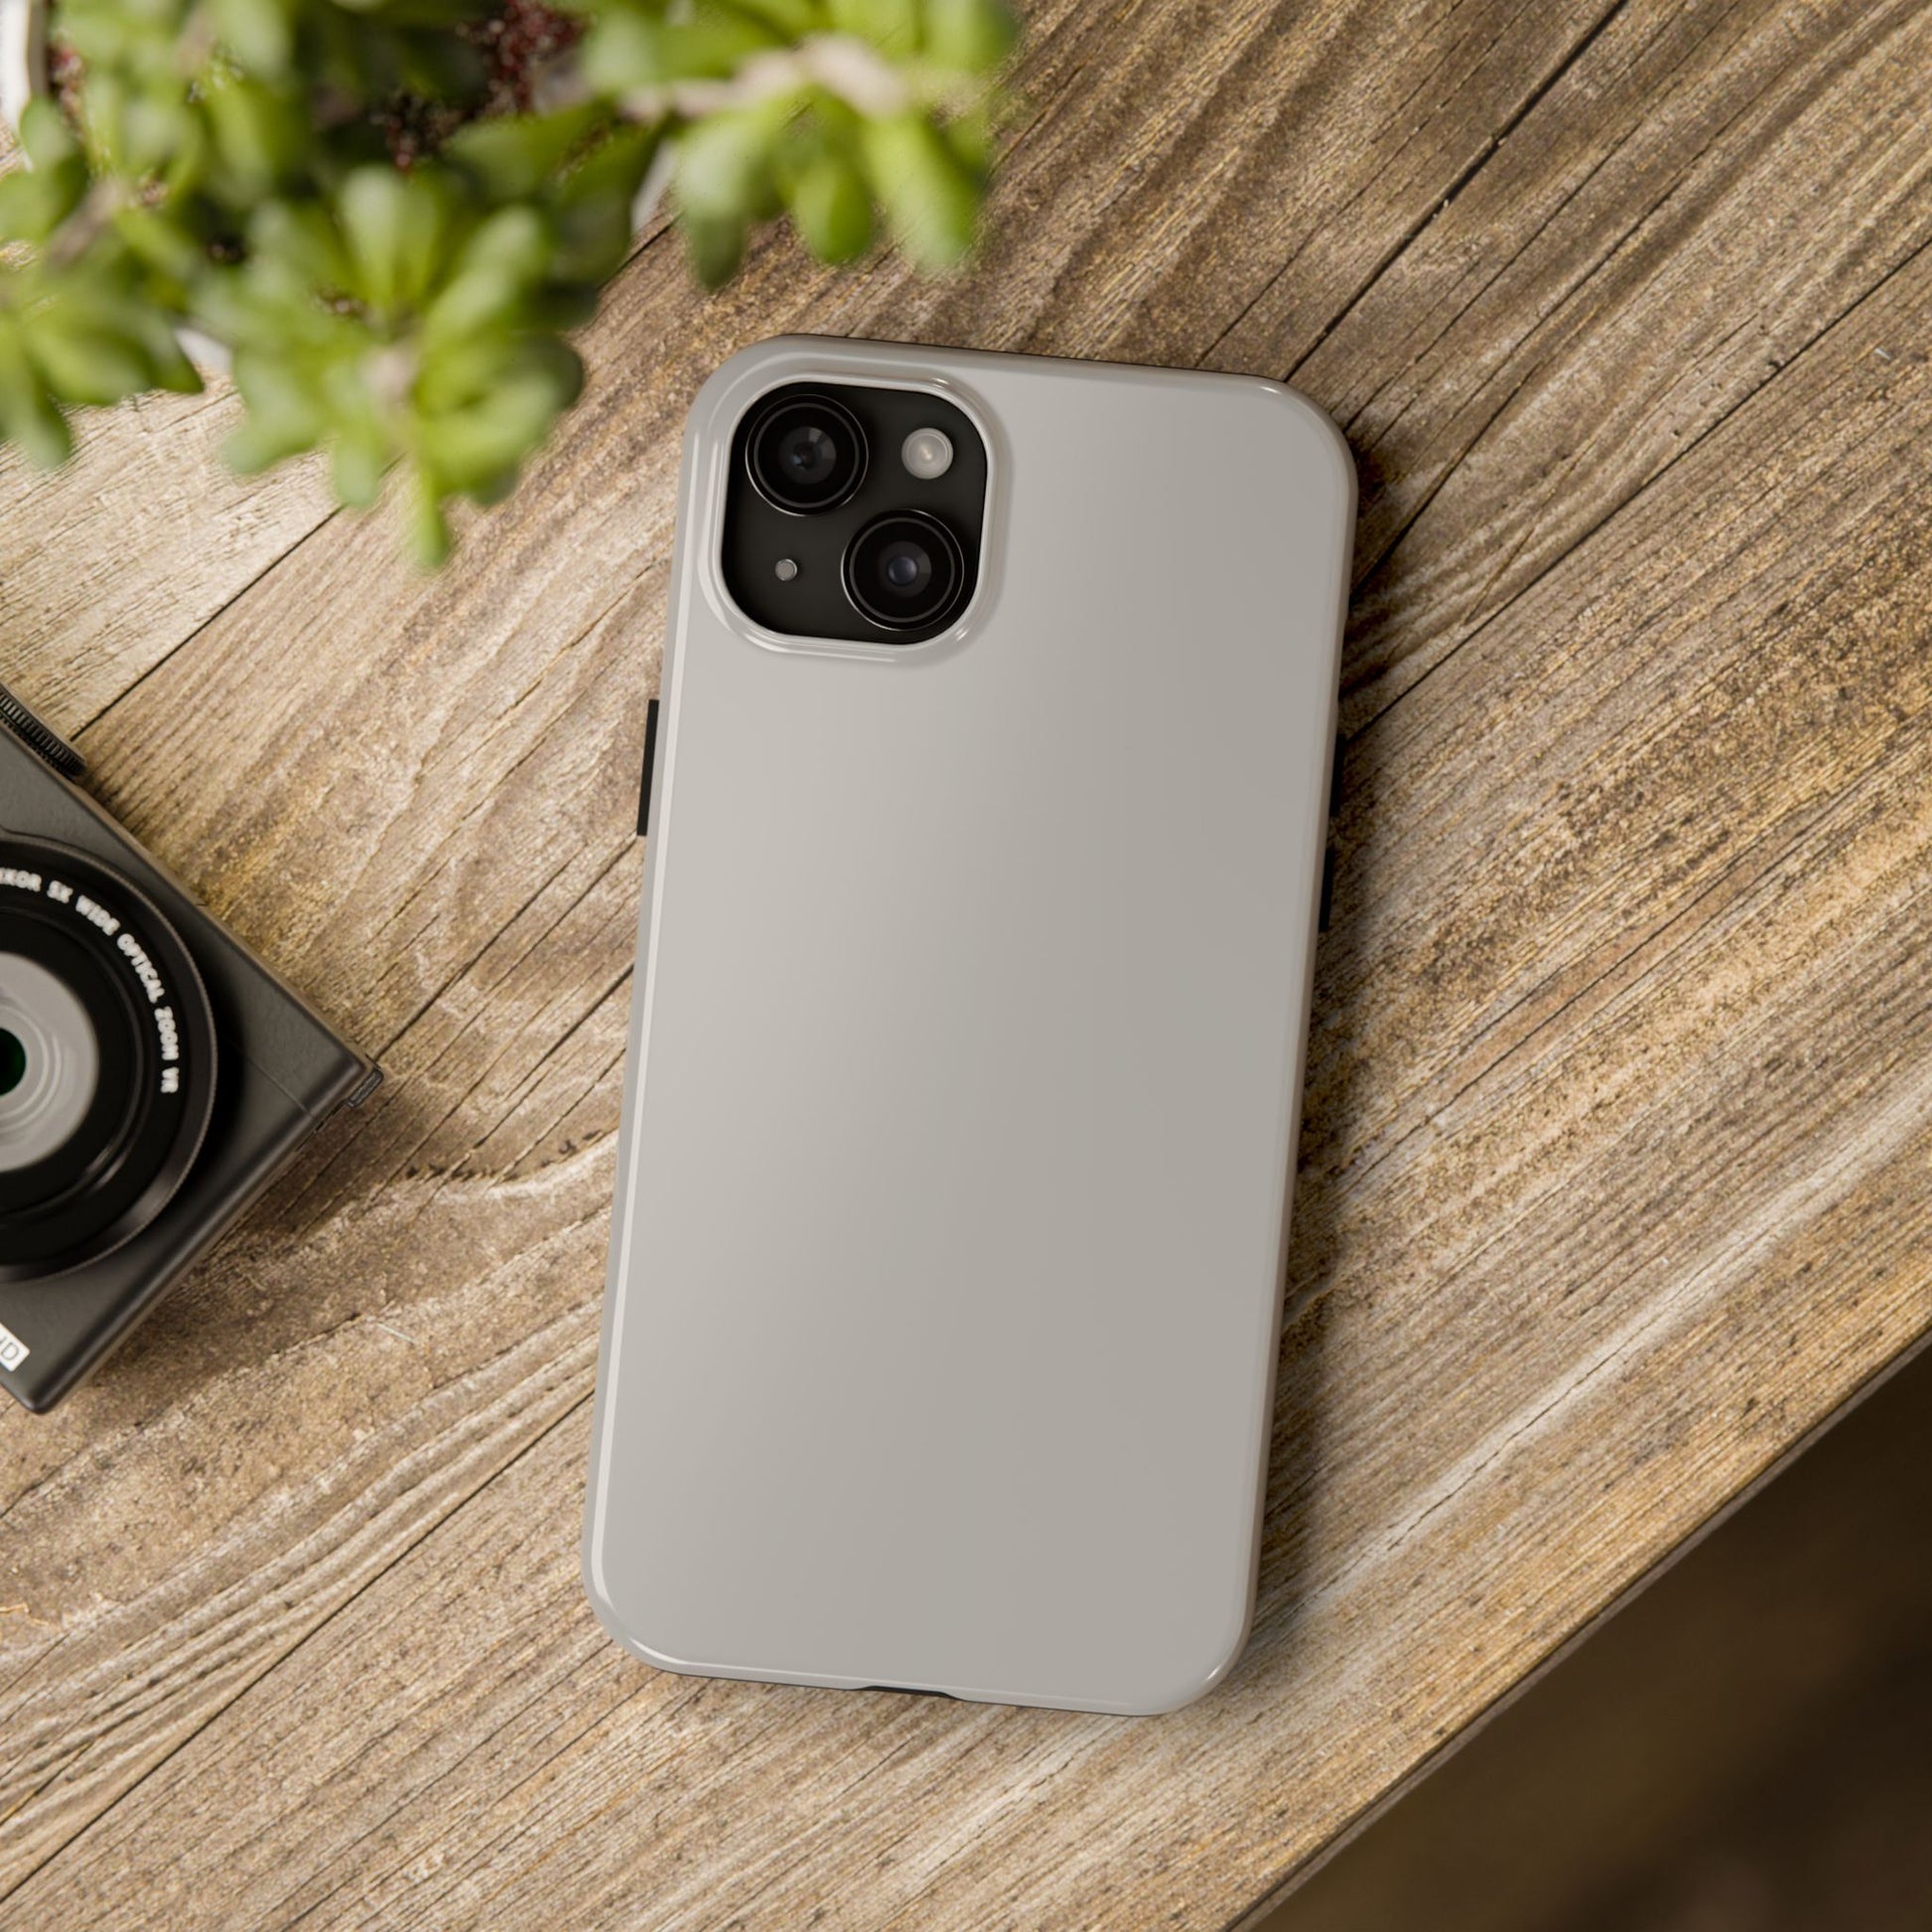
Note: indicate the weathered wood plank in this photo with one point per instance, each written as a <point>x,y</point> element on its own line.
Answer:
<point>471,799</point>
<point>1302,150</point>
<point>1599,1437</point>
<point>1627,901</point>
<point>1708,1353</point>
<point>134,546</point>
<point>140,540</point>
<point>590,1790</point>
<point>427,756</point>
<point>1679,215</point>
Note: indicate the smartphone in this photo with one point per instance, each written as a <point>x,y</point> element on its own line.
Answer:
<point>987,816</point>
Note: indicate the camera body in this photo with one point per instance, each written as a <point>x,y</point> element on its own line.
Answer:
<point>154,1075</point>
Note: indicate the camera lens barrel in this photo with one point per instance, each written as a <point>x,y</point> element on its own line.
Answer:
<point>107,1041</point>
<point>49,1062</point>
<point>807,453</point>
<point>906,571</point>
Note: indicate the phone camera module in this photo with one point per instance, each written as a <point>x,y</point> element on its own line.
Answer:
<point>904,571</point>
<point>853,512</point>
<point>807,453</point>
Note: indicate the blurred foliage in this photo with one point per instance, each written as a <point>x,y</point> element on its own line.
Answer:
<point>392,212</point>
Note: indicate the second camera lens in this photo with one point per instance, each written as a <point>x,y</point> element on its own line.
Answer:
<point>808,453</point>
<point>906,572</point>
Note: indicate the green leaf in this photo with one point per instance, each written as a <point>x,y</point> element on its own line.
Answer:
<point>27,415</point>
<point>168,364</point>
<point>258,136</point>
<point>626,50</point>
<point>970,137</point>
<point>789,19</point>
<point>410,13</point>
<point>257,31</point>
<point>33,202</point>
<point>503,262</point>
<point>156,129</point>
<point>284,414</point>
<point>45,134</point>
<point>930,200</point>
<point>471,449</point>
<point>301,236</point>
<point>831,207</point>
<point>397,227</point>
<point>158,242</point>
<point>514,155</point>
<point>889,24</point>
<point>362,456</point>
<point>81,365</point>
<point>514,245</point>
<point>725,163</point>
<point>715,245</point>
<point>591,208</point>
<point>255,445</point>
<point>620,52</point>
<point>560,306</point>
<point>972,36</point>
<point>437,66</point>
<point>429,528</point>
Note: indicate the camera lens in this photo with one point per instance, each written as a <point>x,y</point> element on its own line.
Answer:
<point>808,453</point>
<point>906,572</point>
<point>107,1060</point>
<point>49,1062</point>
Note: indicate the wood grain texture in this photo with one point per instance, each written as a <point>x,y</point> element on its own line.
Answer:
<point>1613,1178</point>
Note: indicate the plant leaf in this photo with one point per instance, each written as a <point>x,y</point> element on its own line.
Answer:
<point>514,155</point>
<point>831,207</point>
<point>890,24</point>
<point>397,227</point>
<point>258,33</point>
<point>715,245</point>
<point>429,528</point>
<point>930,198</point>
<point>80,363</point>
<point>362,456</point>
<point>28,413</point>
<point>969,35</point>
<point>45,134</point>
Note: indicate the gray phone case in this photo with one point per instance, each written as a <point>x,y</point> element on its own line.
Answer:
<point>965,1063</point>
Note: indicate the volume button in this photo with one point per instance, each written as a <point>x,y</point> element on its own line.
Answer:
<point>651,762</point>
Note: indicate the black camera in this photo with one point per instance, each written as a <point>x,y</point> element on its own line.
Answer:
<point>154,1075</point>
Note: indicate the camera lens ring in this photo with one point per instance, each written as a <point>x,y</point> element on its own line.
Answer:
<point>883,591</point>
<point>806,454</point>
<point>67,916</point>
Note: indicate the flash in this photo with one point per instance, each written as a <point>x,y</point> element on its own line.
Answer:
<point>785,570</point>
<point>927,452</point>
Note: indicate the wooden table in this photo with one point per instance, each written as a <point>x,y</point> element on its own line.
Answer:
<point>1614,1180</point>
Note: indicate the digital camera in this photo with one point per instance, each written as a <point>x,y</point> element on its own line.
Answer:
<point>154,1075</point>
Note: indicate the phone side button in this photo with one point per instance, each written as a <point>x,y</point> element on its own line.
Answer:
<point>650,761</point>
<point>1328,890</point>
